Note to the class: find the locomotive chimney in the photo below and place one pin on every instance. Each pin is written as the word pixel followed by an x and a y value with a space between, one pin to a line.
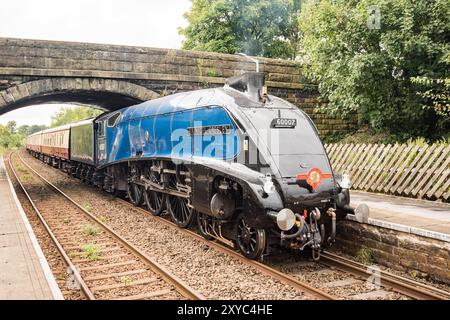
pixel 252 84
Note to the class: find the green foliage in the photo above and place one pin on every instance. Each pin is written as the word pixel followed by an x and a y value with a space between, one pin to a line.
pixel 126 280
pixel 12 136
pixel 435 93
pixel 372 70
pixel 366 134
pixel 26 130
pixel 73 114
pixel 87 206
pixel 90 251
pixel 364 255
pixel 89 230
pixel 260 27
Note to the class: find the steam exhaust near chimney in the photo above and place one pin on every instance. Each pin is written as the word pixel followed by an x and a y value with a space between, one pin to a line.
pixel 252 84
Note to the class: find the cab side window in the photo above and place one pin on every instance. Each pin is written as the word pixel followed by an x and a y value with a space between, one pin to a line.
pixel 112 120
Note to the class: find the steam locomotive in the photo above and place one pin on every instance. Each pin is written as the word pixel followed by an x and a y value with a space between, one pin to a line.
pixel 245 166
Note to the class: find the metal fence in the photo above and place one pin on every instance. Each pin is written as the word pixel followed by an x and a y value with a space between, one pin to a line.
pixel 420 171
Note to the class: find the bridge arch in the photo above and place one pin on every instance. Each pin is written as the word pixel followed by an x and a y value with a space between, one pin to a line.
pixel 107 94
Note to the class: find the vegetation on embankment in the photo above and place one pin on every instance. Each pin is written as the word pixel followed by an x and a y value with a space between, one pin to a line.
pixel 12 137
pixel 366 134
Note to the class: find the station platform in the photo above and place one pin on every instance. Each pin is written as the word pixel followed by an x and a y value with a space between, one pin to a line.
pixel 420 217
pixel 24 271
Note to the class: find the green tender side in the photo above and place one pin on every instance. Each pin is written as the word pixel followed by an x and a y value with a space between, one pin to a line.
pixel 82 143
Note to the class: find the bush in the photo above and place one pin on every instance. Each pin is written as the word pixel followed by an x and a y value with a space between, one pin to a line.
pixel 370 68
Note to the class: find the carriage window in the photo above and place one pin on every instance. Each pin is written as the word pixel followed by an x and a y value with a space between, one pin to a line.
pixel 112 120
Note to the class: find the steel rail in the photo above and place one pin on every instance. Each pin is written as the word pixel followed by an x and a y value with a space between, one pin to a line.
pixel 408 287
pixel 215 244
pixel 182 287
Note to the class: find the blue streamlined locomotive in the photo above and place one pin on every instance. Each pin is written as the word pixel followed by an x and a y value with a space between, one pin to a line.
pixel 246 166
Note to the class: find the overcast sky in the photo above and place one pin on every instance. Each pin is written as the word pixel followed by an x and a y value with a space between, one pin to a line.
pixel 151 23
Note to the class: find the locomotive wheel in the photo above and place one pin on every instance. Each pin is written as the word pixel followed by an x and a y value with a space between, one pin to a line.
pixel 203 223
pixel 179 211
pixel 154 201
pixel 250 241
pixel 134 193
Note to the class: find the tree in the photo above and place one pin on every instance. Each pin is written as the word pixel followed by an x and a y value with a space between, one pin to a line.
pixel 26 130
pixel 365 58
pixel 259 27
pixel 11 126
pixel 10 137
pixel 73 114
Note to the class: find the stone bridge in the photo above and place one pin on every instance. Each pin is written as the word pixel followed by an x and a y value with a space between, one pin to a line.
pixel 34 72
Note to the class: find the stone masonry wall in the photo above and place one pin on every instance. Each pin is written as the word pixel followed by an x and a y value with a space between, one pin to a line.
pixel 162 70
pixel 419 256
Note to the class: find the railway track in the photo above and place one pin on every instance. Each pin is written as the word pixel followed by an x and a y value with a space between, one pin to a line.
pixel 413 289
pixel 310 291
pixel 102 264
pixel 354 271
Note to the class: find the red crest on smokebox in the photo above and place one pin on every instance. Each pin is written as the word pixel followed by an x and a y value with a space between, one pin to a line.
pixel 314 177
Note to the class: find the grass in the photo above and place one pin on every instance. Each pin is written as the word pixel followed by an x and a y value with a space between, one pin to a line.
pixel 66 220
pixel 26 178
pixel 126 280
pixel 21 168
pixel 89 230
pixel 88 207
pixel 72 255
pixel 103 219
pixel 90 251
pixel 364 255
pixel 23 172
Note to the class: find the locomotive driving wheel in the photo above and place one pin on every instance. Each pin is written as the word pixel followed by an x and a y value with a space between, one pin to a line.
pixel 179 210
pixel 134 191
pixel 250 241
pixel 154 200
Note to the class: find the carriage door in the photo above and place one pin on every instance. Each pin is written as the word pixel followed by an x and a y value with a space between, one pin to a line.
pixel 101 142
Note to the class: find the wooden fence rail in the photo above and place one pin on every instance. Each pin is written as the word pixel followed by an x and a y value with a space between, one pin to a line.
pixel 420 171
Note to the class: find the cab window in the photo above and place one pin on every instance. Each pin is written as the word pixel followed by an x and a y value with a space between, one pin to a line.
pixel 112 120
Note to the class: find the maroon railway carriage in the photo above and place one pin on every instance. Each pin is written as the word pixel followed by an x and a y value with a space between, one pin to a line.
pixel 51 144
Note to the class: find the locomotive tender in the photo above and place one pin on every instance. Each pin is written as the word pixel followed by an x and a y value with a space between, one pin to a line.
pixel 248 167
